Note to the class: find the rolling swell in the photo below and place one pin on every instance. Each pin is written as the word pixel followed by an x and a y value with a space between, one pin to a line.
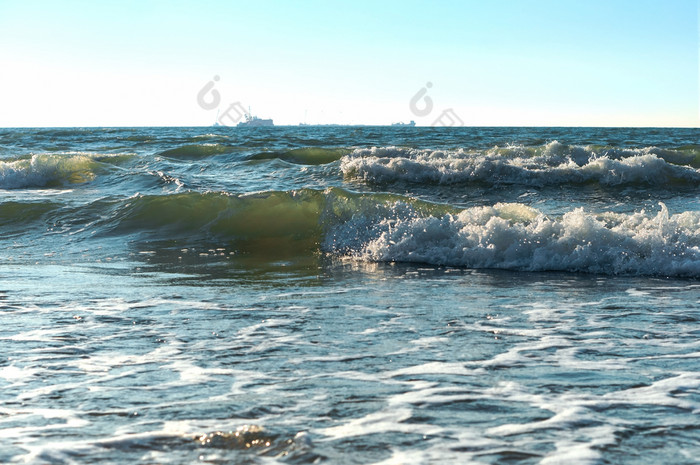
pixel 305 155
pixel 16 217
pixel 197 151
pixel 395 228
pixel 549 164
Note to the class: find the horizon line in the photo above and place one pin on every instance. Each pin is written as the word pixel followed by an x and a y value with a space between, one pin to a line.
pixel 351 125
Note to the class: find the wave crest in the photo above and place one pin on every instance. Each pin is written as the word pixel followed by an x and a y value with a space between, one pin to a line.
pixel 48 170
pixel 550 164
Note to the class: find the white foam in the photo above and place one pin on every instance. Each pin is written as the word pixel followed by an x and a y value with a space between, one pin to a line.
pixel 191 374
pixel 553 163
pixel 392 419
pixel 517 237
pixel 399 457
pixel 16 374
pixel 668 391
pixel 572 453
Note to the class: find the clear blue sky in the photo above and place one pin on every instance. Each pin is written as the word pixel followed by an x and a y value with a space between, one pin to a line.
pixel 501 62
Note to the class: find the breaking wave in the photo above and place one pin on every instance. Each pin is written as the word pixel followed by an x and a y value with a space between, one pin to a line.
pixel 395 228
pixel 54 170
pixel 550 164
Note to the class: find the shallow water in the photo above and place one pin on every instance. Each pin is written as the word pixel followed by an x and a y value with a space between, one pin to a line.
pixel 294 295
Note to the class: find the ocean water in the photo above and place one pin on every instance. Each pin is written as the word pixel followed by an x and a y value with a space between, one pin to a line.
pixel 384 295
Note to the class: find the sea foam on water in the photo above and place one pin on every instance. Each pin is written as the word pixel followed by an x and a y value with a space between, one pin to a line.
pixel 551 164
pixel 517 237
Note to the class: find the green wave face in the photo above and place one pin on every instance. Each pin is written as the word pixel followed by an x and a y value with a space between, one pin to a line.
pixel 17 214
pixel 197 151
pixel 272 222
pixel 269 222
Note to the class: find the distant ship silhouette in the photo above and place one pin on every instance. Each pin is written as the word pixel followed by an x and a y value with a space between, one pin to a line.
pixel 411 124
pixel 254 122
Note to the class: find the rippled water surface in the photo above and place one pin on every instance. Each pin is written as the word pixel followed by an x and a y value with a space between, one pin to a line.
pixel 349 295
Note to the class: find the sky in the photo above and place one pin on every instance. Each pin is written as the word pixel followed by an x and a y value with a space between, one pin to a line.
pixel 472 63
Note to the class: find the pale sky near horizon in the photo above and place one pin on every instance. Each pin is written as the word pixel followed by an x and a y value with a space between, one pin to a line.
pixel 501 62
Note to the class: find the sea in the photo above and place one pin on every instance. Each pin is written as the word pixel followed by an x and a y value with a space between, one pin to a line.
pixel 350 295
